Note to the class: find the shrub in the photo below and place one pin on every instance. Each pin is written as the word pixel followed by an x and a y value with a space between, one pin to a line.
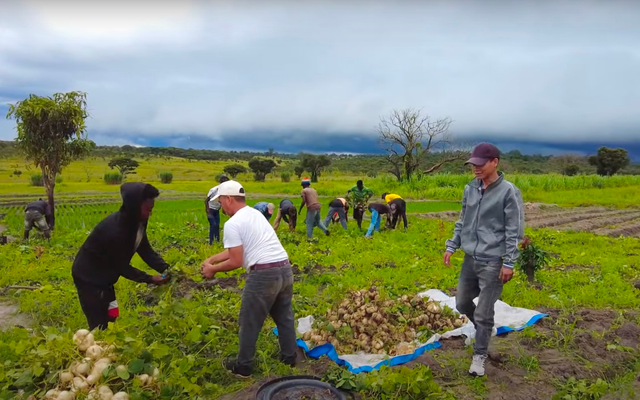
pixel 166 177
pixel 59 179
pixel 36 180
pixel 285 177
pixel 113 178
pixel 571 170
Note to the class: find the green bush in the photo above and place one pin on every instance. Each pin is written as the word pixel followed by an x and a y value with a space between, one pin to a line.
pixel 36 180
pixel 113 178
pixel 285 177
pixel 59 179
pixel 166 177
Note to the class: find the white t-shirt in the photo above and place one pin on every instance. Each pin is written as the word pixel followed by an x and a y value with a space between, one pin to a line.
pixel 213 204
pixel 251 230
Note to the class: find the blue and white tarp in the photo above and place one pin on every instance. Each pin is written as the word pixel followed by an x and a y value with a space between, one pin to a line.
pixel 507 319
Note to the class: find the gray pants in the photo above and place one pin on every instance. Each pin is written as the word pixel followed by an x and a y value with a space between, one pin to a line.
pixel 340 211
pixel 313 220
pixel 479 279
pixel 267 292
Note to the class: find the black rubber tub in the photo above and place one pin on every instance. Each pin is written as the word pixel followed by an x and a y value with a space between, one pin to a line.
pixel 299 387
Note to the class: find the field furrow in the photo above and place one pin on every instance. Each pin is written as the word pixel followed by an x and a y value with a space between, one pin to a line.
pixel 629 229
pixel 553 222
pixel 542 215
pixel 600 223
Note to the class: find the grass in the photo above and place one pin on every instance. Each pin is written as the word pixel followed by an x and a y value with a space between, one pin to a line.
pixel 189 332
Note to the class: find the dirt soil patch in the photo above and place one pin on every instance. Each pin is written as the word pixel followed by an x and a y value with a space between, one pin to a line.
pixel 11 318
pixel 598 220
pixel 525 366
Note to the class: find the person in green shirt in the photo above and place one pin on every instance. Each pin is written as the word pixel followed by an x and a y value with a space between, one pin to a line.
pixel 359 194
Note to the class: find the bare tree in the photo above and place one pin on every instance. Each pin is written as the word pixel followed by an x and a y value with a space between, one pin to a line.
pixel 408 138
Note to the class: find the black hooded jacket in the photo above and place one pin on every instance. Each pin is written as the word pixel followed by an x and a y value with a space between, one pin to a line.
pixel 107 252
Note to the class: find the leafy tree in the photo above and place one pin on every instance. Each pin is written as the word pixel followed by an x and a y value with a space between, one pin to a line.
pixel 298 170
pixel 51 134
pixel 234 170
pixel 125 165
pixel 571 170
pixel 314 164
pixel 609 161
pixel 261 167
pixel 410 138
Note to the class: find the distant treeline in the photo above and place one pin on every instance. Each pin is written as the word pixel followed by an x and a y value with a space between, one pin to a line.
pixel 371 165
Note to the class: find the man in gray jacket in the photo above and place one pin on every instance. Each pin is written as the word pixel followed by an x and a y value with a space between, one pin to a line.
pixel 490 227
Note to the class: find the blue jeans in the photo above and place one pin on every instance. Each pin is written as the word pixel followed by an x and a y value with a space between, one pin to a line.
pixel 481 279
pixel 341 215
pixel 313 220
pixel 214 225
pixel 375 223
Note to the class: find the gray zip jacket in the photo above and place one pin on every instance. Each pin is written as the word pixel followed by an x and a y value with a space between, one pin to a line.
pixel 491 222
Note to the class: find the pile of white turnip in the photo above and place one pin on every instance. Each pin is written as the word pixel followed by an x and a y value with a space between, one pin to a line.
pixel 85 375
pixel 365 322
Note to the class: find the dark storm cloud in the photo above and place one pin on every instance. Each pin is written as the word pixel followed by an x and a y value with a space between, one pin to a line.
pixel 529 72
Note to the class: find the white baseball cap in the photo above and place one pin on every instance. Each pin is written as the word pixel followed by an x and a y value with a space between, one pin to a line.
pixel 229 188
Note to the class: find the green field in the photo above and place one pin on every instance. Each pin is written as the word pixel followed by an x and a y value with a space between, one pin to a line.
pixel 586 349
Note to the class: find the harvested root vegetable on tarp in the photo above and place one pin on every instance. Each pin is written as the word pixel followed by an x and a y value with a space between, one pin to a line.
pixel 364 321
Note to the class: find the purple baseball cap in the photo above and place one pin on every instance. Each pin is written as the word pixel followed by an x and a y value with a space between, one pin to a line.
pixel 483 153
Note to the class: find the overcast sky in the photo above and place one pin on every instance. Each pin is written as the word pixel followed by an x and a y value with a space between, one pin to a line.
pixel 305 75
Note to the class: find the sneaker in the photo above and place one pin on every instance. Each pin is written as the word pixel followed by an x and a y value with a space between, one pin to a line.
pixel 477 365
pixel 230 365
pixel 327 233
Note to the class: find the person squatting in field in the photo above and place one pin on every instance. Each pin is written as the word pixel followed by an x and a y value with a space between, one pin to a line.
pixel 250 241
pixel 37 214
pixel 213 211
pixel 311 200
pixel 106 255
pixel 398 209
pixel 338 209
pixel 490 226
pixel 265 208
pixel 376 210
pixel 288 212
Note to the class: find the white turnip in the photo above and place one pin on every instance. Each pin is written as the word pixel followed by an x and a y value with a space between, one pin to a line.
pixel 120 396
pixel 94 352
pixel 66 395
pixel 66 377
pixel 80 384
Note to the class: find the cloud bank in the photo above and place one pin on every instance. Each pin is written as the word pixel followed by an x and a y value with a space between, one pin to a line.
pixel 319 72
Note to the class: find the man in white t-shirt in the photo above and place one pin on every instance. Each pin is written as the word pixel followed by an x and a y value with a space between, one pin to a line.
pixel 250 242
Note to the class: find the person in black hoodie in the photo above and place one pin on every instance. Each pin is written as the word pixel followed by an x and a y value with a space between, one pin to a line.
pixel 107 253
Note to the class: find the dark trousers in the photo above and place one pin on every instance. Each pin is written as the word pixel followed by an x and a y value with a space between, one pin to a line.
pixel 214 225
pixel 267 292
pixel 95 304
pixel 479 279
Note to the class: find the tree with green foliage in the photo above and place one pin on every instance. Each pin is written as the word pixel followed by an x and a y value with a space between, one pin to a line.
pixel 234 170
pixel 51 134
pixel 314 164
pixel 125 165
pixel 571 170
pixel 410 139
pixel 261 167
pixel 298 170
pixel 609 161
